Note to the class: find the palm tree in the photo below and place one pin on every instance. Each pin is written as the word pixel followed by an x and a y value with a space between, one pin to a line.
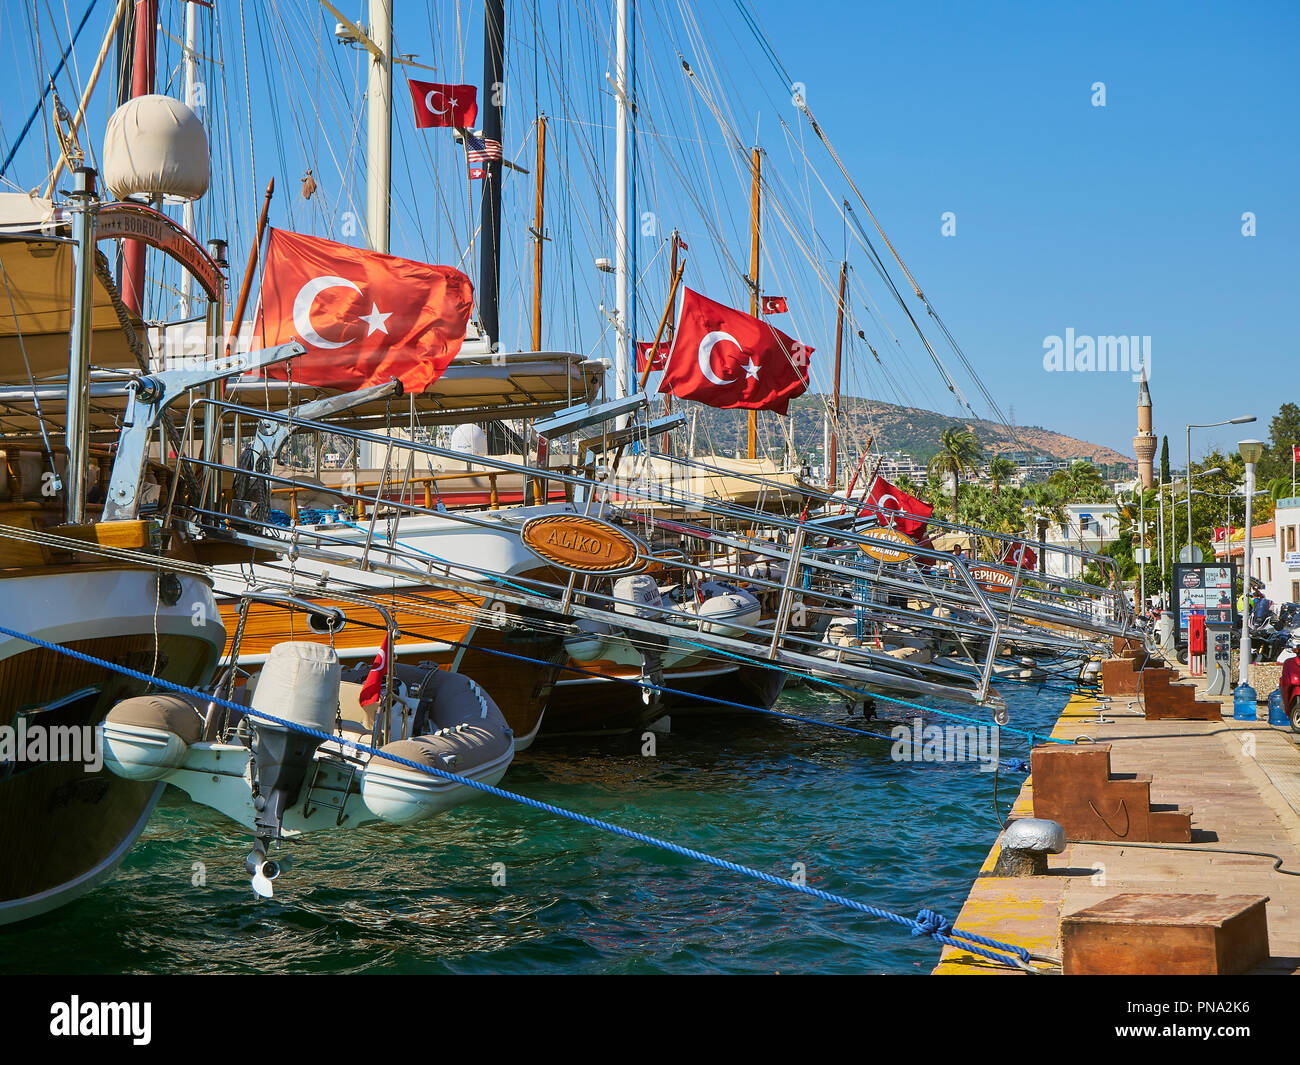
pixel 1000 468
pixel 1081 483
pixel 1279 488
pixel 959 452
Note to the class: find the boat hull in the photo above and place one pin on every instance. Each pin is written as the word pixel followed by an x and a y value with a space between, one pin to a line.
pixel 64 825
pixel 608 704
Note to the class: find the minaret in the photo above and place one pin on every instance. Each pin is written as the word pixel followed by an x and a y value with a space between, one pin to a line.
pixel 1144 444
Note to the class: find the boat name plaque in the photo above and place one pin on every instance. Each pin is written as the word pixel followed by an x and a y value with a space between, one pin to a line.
pixel 583 545
pixel 883 553
pixel 991 580
pixel 135 221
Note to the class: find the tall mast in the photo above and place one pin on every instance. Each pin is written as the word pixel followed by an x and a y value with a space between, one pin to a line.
pixel 494 87
pixel 539 232
pixel 831 478
pixel 621 324
pixel 142 75
pixel 755 228
pixel 191 84
pixel 379 124
pixel 83 294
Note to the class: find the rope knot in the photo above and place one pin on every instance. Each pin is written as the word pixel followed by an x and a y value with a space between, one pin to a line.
pixel 930 923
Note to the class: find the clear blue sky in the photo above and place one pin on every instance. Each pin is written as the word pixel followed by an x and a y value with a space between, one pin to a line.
pixel 1124 219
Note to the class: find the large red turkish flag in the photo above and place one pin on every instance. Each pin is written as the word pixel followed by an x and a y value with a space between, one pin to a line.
pixel 443 105
pixel 725 358
pixel 1020 556
pixel 896 509
pixel 364 317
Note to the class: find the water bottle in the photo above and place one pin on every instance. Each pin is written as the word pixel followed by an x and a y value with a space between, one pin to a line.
pixel 1244 706
pixel 1277 715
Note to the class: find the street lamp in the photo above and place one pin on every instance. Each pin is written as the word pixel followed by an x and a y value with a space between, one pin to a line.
pixel 1206 425
pixel 1174 504
pixel 1251 450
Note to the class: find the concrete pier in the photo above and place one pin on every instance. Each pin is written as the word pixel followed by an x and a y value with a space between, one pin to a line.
pixel 1241 781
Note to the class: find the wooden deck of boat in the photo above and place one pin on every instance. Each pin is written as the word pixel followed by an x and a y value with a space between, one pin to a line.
pixel 1241 780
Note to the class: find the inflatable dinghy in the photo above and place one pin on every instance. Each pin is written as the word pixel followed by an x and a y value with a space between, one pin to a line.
pixel 304 772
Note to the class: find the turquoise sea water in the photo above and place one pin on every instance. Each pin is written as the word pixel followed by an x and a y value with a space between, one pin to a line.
pixel 760 792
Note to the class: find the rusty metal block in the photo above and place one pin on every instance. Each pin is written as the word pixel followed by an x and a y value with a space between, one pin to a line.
pixel 1119 677
pixel 1075 787
pixel 1175 935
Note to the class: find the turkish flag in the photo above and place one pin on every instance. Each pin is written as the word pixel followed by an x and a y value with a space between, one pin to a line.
pixel 895 508
pixel 374 682
pixel 364 317
pixel 725 358
pixel 1020 555
pixel 443 105
pixel 659 361
pixel 775 305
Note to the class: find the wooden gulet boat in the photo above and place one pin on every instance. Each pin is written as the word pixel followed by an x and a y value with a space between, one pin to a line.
pixel 65 822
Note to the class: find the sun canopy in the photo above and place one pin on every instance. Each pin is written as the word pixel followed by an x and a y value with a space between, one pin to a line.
pixel 36 313
pixel 36 270
pixel 475 386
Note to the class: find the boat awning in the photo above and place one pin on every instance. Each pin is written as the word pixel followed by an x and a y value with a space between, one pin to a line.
pixel 36 313
pixel 35 322
pixel 476 386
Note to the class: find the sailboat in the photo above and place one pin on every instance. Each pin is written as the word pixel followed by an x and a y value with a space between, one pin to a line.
pixel 87 564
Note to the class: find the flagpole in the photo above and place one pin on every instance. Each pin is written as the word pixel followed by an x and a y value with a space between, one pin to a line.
pixel 866 452
pixel 663 322
pixel 238 320
pixel 672 314
pixel 755 228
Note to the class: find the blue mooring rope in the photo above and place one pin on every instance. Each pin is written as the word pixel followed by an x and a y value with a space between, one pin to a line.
pixel 927 922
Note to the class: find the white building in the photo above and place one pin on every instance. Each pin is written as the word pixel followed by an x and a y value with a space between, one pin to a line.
pixel 1275 552
pixel 1087 527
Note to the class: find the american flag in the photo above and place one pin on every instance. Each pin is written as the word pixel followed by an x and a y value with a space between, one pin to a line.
pixel 480 149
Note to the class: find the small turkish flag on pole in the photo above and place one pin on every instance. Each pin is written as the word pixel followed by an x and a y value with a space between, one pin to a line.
pixel 363 317
pixel 658 362
pixel 443 105
pixel 728 359
pixel 775 305
pixel 896 509
pixel 374 684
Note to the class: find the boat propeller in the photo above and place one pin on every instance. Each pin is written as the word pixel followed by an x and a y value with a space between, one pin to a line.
pixel 264 870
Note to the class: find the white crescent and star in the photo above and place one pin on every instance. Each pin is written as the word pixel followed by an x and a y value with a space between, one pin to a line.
pixel 710 341
pixel 376 321
pixel 428 101
pixel 894 511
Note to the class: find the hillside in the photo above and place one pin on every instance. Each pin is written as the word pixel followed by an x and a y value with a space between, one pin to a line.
pixel 896 428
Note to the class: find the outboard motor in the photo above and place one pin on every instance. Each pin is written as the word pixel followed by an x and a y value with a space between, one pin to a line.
pixel 640 598
pixel 298 683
